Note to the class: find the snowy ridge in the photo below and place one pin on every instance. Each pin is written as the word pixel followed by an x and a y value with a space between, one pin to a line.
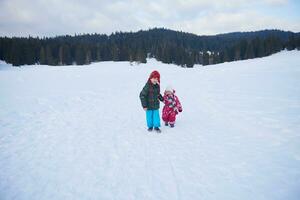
pixel 78 132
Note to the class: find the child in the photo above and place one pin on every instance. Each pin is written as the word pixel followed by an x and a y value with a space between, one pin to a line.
pixel 171 108
pixel 150 97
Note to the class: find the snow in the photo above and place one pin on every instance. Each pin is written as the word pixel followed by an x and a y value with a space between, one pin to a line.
pixel 79 132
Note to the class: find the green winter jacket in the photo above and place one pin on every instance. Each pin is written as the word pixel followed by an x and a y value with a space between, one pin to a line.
pixel 150 96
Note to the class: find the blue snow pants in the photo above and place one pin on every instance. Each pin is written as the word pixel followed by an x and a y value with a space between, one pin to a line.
pixel 153 118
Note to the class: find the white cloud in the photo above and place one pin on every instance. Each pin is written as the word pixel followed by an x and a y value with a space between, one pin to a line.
pixel 57 17
pixel 277 2
pixel 230 22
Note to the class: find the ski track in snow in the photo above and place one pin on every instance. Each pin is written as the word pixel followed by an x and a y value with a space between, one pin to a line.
pixel 78 132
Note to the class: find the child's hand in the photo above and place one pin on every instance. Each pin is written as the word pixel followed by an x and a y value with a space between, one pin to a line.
pixel 176 110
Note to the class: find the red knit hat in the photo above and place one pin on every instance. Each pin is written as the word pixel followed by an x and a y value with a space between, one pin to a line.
pixel 155 74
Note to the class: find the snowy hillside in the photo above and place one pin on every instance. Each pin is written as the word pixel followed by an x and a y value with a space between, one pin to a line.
pixel 79 132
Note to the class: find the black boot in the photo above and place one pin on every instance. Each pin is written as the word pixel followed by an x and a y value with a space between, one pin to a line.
pixel 166 124
pixel 150 129
pixel 157 130
pixel 172 125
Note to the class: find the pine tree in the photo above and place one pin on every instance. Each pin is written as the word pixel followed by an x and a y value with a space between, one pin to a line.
pixel 80 55
pixel 249 51
pixel 88 56
pixel 67 58
pixel 141 56
pixel 61 56
pixel 49 56
pixel 205 58
pixel 259 49
pixel 291 44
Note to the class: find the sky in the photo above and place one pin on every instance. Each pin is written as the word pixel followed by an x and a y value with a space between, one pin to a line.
pixel 202 17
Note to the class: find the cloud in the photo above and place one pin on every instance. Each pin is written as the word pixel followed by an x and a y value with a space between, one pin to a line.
pixel 215 23
pixel 277 2
pixel 60 17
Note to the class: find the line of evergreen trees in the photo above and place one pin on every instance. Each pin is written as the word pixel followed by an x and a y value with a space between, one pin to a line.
pixel 165 45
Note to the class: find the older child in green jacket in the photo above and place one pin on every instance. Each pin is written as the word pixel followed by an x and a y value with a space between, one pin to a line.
pixel 150 97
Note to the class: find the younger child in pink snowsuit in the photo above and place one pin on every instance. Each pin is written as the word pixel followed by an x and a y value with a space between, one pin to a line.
pixel 171 108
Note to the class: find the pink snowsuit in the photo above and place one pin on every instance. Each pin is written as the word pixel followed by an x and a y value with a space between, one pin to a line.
pixel 171 108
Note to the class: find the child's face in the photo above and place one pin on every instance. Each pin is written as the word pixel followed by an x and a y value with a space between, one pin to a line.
pixel 168 92
pixel 154 80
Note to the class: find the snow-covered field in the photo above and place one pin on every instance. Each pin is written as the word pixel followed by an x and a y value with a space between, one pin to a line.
pixel 79 132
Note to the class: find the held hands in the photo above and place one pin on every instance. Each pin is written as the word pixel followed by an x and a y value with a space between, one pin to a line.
pixel 145 109
pixel 177 110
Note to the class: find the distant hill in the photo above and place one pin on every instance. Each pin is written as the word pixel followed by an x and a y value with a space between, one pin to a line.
pixel 165 45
